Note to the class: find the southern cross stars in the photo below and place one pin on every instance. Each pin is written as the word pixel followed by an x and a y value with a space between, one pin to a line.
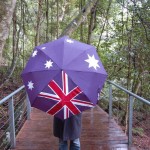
pixel 92 62
pixel 69 41
pixel 34 53
pixel 30 85
pixel 43 48
pixel 48 64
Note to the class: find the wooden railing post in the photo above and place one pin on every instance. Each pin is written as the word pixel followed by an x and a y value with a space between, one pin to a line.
pixel 12 123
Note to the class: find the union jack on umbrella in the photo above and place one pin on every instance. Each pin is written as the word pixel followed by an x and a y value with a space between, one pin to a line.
pixel 64 77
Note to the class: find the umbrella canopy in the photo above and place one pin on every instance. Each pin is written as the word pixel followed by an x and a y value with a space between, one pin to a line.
pixel 64 77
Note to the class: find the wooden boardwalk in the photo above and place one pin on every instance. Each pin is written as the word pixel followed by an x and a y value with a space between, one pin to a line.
pixel 98 132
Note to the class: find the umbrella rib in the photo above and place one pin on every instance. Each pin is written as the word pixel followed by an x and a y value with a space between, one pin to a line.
pixel 85 71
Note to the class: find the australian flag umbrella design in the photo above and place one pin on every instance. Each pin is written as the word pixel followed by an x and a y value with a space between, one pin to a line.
pixel 64 77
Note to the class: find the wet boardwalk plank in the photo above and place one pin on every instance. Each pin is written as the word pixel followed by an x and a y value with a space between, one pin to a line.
pixel 98 132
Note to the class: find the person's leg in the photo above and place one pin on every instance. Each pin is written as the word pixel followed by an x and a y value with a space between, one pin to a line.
pixel 75 144
pixel 63 145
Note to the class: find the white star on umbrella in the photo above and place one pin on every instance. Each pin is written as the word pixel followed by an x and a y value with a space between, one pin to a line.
pixel 48 64
pixel 34 53
pixel 30 85
pixel 43 48
pixel 92 62
pixel 69 41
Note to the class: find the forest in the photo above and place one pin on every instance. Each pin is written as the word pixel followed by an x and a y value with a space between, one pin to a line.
pixel 119 29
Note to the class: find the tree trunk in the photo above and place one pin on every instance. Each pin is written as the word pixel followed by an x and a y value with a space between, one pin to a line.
pixel 81 26
pixel 47 19
pixel 57 19
pixel 75 23
pixel 92 23
pixel 38 26
pixel 6 12
pixel 15 50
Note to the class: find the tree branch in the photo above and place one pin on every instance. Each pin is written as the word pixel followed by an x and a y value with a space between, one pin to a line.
pixel 75 23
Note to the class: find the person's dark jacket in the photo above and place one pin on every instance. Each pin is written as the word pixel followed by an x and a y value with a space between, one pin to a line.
pixel 68 129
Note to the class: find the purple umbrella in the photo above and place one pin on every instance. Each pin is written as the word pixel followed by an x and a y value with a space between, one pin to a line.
pixel 64 77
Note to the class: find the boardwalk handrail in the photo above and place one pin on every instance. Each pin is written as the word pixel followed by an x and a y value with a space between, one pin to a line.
pixel 130 93
pixel 11 114
pixel 10 100
pixel 130 116
pixel 10 95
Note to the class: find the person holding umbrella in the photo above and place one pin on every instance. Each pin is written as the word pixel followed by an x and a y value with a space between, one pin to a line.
pixel 68 130
pixel 63 78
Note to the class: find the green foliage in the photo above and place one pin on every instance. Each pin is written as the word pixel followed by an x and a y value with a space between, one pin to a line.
pixel 138 131
pixel 121 34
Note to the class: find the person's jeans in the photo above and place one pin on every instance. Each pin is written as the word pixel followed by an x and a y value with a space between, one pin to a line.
pixel 74 144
